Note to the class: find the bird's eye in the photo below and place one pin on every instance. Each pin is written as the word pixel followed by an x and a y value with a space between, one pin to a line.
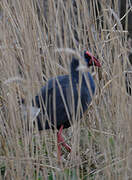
pixel 90 62
pixel 89 57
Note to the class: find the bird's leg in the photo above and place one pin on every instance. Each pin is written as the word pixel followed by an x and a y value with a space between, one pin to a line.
pixel 59 142
pixel 59 151
pixel 68 148
pixel 62 141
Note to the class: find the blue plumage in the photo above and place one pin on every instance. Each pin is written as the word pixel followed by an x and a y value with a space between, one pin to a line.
pixel 55 97
pixel 58 101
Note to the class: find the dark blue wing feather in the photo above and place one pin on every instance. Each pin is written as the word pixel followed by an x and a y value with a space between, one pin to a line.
pixel 55 105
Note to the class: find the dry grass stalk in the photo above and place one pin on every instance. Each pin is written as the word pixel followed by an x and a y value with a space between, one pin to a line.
pixel 33 36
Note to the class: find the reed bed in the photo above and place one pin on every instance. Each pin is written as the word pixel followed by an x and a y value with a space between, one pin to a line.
pixel 37 40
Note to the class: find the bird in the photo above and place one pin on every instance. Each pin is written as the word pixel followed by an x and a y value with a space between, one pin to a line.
pixel 59 98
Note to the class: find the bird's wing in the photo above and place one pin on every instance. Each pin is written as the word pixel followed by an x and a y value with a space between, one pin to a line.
pixel 47 90
pixel 61 79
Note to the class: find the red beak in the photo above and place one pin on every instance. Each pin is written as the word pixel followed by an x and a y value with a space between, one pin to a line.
pixel 93 60
pixel 96 61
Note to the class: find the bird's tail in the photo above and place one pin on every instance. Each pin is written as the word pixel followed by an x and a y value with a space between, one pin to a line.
pixel 32 111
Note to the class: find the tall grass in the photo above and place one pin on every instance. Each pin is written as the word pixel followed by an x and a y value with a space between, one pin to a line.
pixel 31 33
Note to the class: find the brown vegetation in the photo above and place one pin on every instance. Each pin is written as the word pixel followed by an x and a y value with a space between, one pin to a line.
pixel 31 33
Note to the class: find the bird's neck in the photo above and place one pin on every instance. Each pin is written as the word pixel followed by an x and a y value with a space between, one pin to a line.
pixel 91 81
pixel 75 76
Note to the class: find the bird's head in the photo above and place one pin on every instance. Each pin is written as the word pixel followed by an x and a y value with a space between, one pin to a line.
pixel 91 60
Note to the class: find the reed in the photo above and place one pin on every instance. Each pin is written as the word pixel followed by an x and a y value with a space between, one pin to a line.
pixel 37 39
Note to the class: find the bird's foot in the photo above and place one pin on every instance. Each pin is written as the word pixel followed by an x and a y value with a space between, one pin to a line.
pixel 61 141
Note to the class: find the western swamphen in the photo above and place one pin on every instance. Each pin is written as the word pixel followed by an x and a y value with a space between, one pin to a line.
pixel 59 98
